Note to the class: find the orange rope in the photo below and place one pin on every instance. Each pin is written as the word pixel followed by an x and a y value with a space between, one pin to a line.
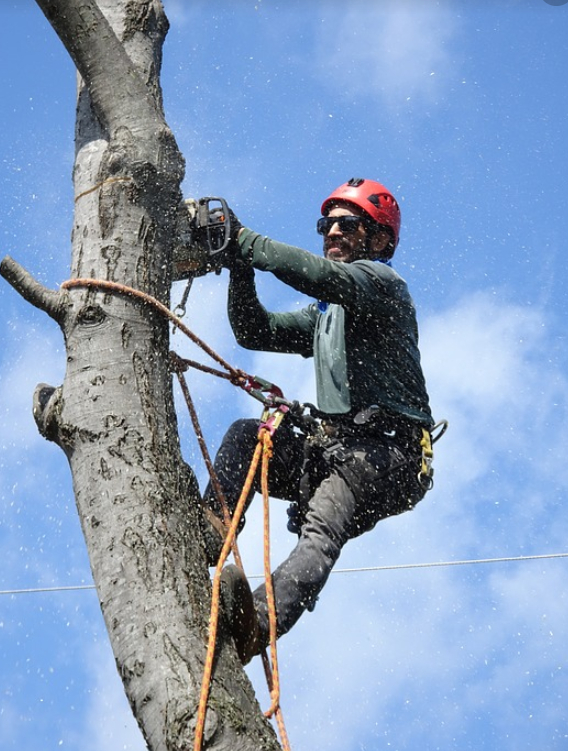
pixel 101 184
pixel 272 675
pixel 264 448
pixel 270 600
pixel 278 713
pixel 216 596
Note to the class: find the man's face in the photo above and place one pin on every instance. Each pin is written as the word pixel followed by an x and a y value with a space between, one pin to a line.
pixel 350 245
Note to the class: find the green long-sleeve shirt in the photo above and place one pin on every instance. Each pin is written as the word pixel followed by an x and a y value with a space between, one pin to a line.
pixel 364 343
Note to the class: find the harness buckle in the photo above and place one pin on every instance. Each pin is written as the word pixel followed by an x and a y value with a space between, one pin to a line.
pixel 336 452
pixel 271 421
pixel 429 438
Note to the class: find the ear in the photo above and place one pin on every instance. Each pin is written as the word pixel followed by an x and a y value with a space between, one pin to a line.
pixel 381 246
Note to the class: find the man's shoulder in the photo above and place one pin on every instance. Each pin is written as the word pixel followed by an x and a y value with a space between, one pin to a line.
pixel 377 270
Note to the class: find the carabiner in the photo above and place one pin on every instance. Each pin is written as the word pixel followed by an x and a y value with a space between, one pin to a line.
pixel 179 310
pixel 264 391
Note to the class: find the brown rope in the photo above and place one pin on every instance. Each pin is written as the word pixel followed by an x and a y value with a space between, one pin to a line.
pixel 184 365
pixel 205 453
pixel 238 376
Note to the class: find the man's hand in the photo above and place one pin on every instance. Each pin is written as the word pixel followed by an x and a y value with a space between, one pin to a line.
pixel 229 257
pixel 235 225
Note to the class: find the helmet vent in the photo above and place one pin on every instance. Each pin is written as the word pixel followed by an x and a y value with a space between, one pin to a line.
pixel 355 182
pixel 375 199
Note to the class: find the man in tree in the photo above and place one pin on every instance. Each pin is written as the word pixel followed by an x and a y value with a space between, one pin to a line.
pixel 364 461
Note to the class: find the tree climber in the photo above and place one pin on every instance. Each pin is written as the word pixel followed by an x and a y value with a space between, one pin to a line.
pixel 364 463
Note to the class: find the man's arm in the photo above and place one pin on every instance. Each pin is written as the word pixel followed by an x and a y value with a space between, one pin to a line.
pixel 310 274
pixel 258 329
pixel 358 286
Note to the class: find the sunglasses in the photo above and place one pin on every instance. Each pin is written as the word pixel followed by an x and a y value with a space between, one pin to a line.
pixel 347 224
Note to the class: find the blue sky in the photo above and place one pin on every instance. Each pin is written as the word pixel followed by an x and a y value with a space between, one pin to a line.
pixel 462 110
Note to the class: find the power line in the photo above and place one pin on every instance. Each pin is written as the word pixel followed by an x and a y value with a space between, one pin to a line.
pixel 36 590
pixel 360 570
pixel 440 564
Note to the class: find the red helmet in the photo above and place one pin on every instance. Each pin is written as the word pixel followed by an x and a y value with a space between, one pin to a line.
pixel 375 200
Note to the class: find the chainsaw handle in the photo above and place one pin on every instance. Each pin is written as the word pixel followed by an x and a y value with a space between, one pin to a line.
pixel 217 242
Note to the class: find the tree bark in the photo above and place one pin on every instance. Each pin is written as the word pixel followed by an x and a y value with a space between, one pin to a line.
pixel 114 415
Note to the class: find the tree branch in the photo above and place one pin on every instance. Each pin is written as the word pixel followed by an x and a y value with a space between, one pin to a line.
pixel 100 57
pixel 35 293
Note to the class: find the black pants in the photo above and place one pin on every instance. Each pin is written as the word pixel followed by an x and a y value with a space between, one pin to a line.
pixel 342 485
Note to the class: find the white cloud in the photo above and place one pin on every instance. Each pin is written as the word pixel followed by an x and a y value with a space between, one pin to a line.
pixel 488 374
pixel 387 654
pixel 395 50
pixel 480 353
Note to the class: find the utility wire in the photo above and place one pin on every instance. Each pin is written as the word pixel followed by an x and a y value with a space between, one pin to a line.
pixel 439 564
pixel 36 590
pixel 362 569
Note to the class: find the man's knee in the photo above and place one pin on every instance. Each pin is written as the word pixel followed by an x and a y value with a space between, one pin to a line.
pixel 329 515
pixel 243 431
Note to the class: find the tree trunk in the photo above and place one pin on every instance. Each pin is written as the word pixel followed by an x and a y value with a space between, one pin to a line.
pixel 114 415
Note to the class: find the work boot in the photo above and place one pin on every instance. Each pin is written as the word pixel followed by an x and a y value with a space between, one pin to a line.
pixel 214 534
pixel 238 604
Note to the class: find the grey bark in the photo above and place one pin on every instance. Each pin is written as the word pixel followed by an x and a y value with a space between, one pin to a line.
pixel 113 416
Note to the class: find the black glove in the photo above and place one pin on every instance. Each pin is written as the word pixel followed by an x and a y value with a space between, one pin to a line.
pixel 235 225
pixel 219 224
pixel 231 256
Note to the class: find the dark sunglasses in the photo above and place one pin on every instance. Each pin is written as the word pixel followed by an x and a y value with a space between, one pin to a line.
pixel 347 224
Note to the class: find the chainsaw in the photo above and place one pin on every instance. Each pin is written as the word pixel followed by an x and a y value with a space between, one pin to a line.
pixel 203 235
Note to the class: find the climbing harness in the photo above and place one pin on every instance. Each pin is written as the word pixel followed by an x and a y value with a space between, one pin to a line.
pixel 275 409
